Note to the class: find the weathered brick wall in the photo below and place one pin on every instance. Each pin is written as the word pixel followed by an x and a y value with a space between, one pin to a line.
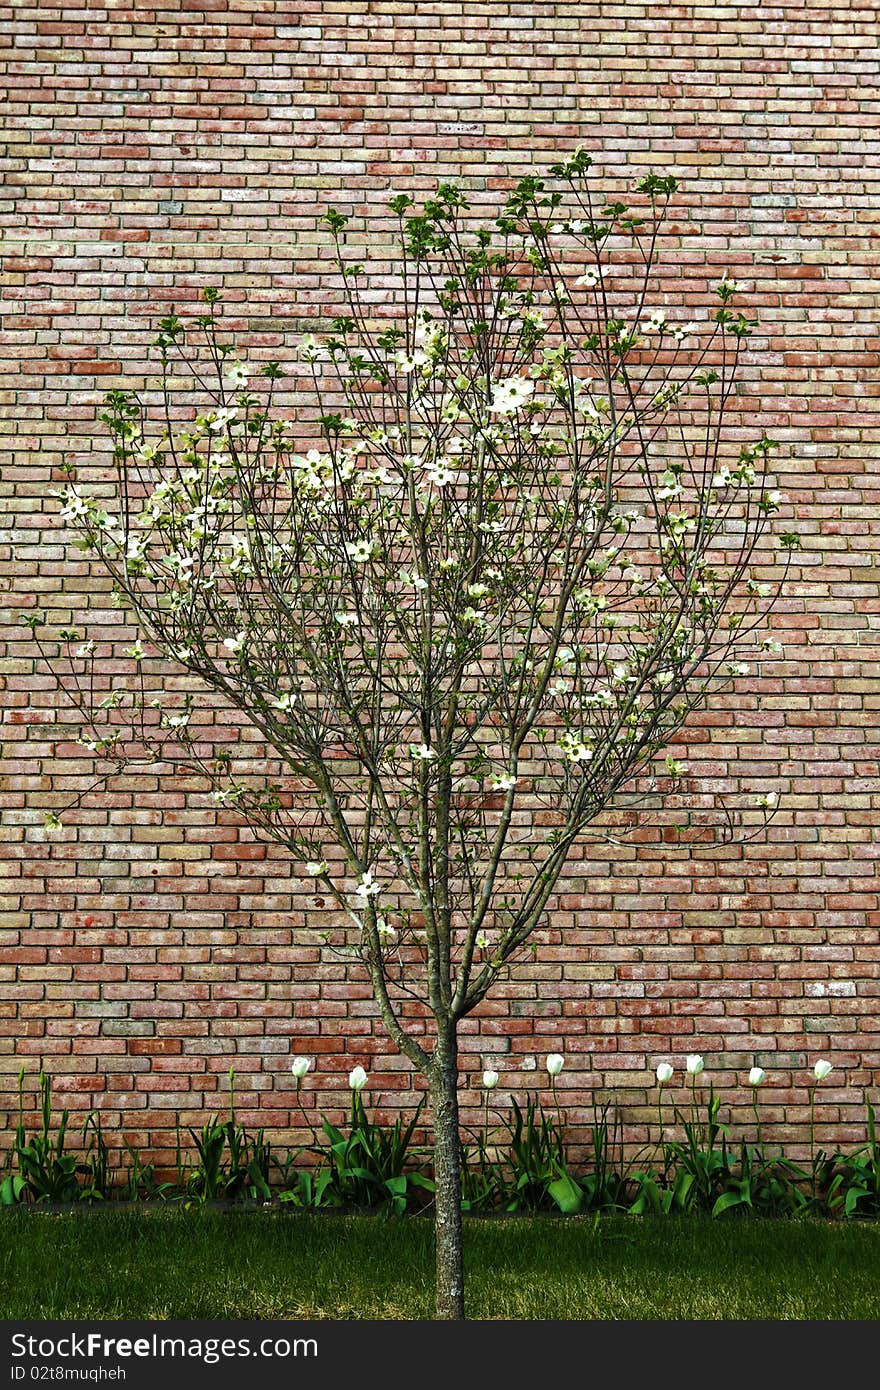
pixel 153 944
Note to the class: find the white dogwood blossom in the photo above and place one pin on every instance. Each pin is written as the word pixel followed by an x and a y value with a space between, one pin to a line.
pixel 510 395
pixel 367 886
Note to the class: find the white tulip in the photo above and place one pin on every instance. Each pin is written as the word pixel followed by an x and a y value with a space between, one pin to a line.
pixel 299 1066
pixel 664 1073
pixel 821 1069
pixel 694 1064
pixel 357 1079
pixel 490 1080
pixel 757 1076
pixel 555 1063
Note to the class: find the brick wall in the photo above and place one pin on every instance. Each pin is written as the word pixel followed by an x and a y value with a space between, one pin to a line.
pixel 154 944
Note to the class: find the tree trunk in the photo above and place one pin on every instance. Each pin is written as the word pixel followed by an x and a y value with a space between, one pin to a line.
pixel 447 1176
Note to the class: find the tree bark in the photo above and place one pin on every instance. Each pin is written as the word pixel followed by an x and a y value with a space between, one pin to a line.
pixel 447 1176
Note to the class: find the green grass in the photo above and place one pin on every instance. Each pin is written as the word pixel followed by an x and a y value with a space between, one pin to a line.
pixel 209 1264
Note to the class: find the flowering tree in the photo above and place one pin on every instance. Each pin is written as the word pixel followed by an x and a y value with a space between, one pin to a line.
pixel 515 557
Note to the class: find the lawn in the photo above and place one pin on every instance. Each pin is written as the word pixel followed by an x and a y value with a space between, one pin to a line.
pixel 259 1264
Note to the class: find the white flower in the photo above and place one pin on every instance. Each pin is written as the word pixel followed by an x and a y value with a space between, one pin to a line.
pixel 367 887
pixel 573 749
pixel 299 1066
pixel 694 1064
pixel 310 350
pixel 386 933
pixel 221 419
pixel 684 330
pixel 483 943
pixel 502 781
pixel 75 507
pixel 657 322
pixel 590 278
pixel 236 376
pixel 422 751
pixel 377 475
pixel 821 1069
pixel 439 474
pixel 757 1076
pixel 473 615
pixel 235 644
pixel 86 649
pixel 555 1063
pixel 345 619
pixel 357 1079
pixel 359 551
pixel 738 668
pixel 508 396
pixel 135 651
pixel 664 1073
pixel 414 580
pixel 316 867
pixel 670 486
pixel 627 337
pixel 490 1080
pixel 767 802
pixel 407 362
pixel 427 330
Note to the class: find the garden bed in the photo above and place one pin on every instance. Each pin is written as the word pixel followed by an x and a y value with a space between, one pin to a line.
pixel 519 1166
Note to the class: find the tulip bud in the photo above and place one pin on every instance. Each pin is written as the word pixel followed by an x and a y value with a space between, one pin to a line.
pixel 299 1066
pixel 357 1079
pixel 694 1064
pixel 490 1080
pixel 664 1073
pixel 821 1069
pixel 756 1076
pixel 555 1063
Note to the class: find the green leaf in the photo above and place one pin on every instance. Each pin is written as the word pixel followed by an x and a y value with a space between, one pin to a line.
pixel 567 1195
pixel 258 1182
pixel 853 1197
pixel 322 1182
pixel 12 1190
pixel 728 1200
pixel 419 1180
